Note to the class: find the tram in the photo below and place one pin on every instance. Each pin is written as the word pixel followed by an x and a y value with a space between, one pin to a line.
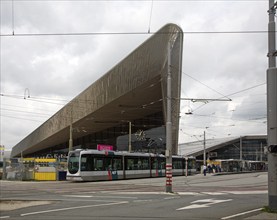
pixel 257 165
pixel 94 165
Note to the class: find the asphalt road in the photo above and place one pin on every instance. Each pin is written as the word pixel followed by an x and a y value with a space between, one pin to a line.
pixel 195 197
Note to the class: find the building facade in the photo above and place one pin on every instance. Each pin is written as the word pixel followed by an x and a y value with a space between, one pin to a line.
pixel 238 148
pixel 124 109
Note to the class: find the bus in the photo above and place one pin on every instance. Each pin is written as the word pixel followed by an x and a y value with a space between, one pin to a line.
pixel 94 165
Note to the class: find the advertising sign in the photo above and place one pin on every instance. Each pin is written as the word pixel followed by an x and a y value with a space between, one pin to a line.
pixel 104 147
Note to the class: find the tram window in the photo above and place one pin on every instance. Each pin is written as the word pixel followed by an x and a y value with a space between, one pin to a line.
pixel 137 163
pixel 98 163
pixel 73 163
pixel 130 164
pixel 87 162
pixel 117 164
pixel 145 164
pixel 190 164
pixel 154 163
pixel 162 163
pixel 177 164
pixel 108 163
pixel 158 163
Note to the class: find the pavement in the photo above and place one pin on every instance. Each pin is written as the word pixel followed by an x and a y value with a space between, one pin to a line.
pixel 260 216
pixel 263 216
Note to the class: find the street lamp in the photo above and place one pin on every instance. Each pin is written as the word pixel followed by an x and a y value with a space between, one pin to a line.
pixel 70 144
pixel 70 138
pixel 130 137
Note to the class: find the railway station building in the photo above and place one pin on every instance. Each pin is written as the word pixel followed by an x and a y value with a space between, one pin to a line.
pixel 238 148
pixel 123 110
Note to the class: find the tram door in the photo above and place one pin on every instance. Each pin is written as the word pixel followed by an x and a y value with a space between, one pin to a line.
pixel 157 166
pixel 114 166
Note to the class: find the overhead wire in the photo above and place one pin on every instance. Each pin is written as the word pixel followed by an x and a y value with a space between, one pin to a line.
pixel 243 90
pixel 252 87
pixel 225 118
pixel 223 96
pixel 130 33
pixel 28 112
pixel 137 0
pixel 26 119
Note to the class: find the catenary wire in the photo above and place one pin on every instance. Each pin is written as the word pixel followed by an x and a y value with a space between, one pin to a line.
pixel 137 0
pixel 131 33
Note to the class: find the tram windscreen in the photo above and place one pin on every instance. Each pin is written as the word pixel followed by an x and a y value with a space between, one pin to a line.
pixel 73 162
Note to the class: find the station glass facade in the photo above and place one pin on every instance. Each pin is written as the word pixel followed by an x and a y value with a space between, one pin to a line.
pixel 147 135
pixel 252 149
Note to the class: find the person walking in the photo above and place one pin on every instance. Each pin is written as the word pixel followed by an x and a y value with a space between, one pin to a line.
pixel 204 170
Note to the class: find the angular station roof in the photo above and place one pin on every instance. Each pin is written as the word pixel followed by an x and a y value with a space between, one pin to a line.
pixel 196 148
pixel 134 88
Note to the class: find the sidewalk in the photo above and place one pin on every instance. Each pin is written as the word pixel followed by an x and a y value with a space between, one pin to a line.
pixel 263 216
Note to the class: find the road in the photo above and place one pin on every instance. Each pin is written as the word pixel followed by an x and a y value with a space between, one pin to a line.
pixel 194 197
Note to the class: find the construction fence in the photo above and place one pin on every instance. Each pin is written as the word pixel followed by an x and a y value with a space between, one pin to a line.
pixel 27 169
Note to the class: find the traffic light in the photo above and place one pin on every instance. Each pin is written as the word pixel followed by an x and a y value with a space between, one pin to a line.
pixel 272 149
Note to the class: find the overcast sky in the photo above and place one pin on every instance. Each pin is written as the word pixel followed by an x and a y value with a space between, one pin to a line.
pixel 55 68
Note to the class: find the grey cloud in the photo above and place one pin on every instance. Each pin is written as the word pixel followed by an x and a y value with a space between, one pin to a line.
pixel 63 66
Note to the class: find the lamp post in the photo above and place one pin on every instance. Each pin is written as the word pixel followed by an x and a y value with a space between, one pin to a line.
pixel 70 143
pixel 240 148
pixel 70 147
pixel 130 137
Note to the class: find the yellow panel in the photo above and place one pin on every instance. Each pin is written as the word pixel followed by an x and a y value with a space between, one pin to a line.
pixel 215 162
pixel 45 176
pixel 45 160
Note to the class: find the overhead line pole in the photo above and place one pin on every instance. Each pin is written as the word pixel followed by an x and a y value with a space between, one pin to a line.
pixel 204 153
pixel 272 109
pixel 169 126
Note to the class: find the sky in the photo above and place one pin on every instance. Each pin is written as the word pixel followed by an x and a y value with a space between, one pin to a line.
pixel 45 62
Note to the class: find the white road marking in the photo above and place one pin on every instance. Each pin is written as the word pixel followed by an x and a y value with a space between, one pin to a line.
pixel 214 193
pixel 242 213
pixel 247 192
pixel 135 193
pixel 148 200
pixel 194 206
pixel 4 216
pixel 188 193
pixel 207 203
pixel 111 197
pixel 170 198
pixel 76 207
pixel 192 193
pixel 77 196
